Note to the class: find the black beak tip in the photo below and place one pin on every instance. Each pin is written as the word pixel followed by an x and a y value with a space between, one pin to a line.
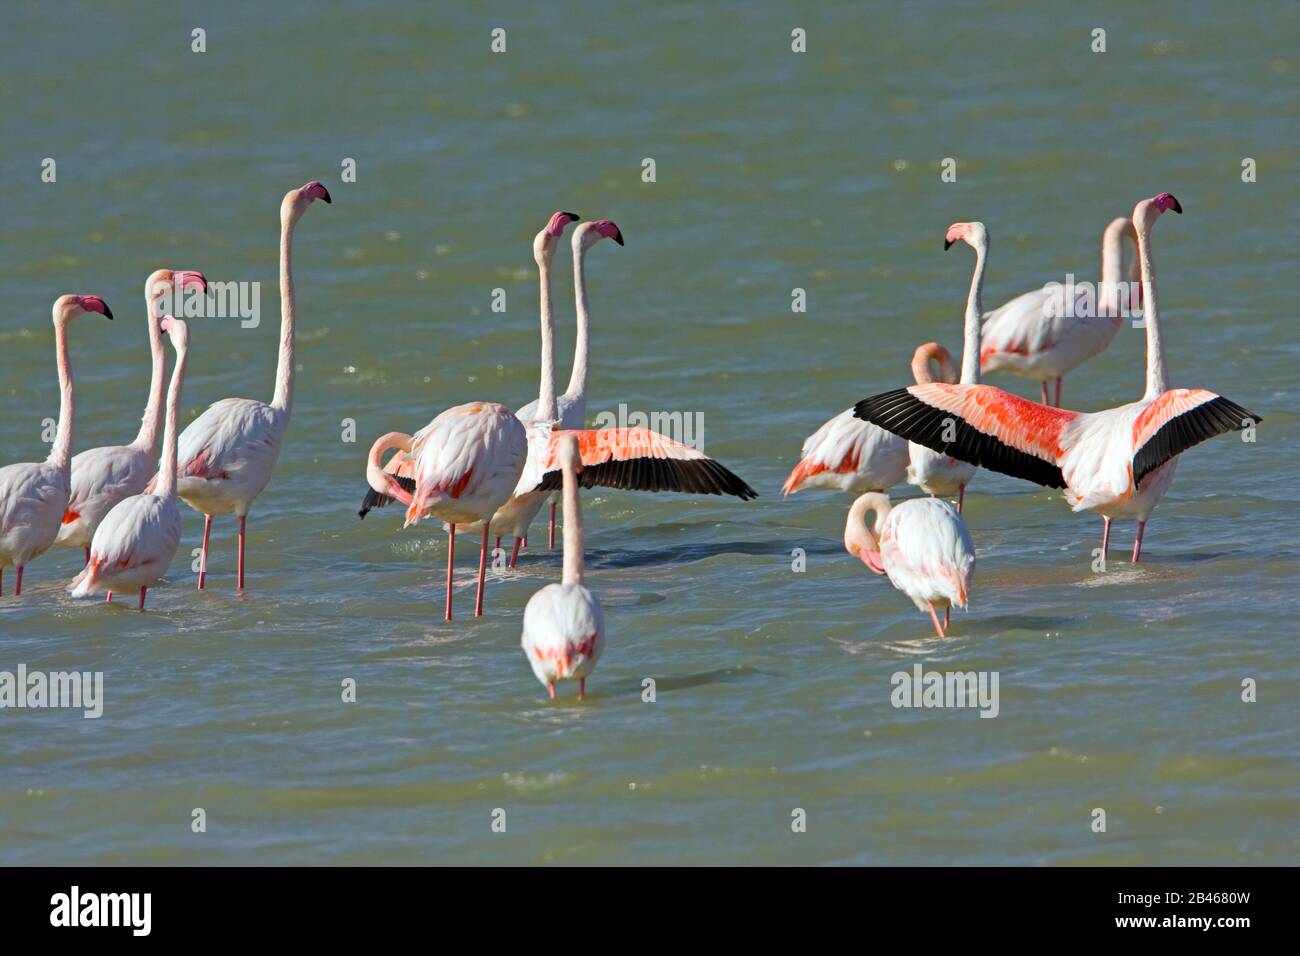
pixel 108 313
pixel 573 216
pixel 618 237
pixel 1178 207
pixel 947 244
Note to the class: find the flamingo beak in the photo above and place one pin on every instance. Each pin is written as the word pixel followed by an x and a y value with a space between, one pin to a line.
pixel 947 244
pixel 193 280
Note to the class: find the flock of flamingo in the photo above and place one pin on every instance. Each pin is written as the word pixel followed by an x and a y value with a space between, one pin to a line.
pixel 482 468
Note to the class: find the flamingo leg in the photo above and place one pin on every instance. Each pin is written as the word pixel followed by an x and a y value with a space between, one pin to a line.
pixel 550 539
pixel 946 612
pixel 142 590
pixel 1105 537
pixel 1044 387
pixel 482 573
pixel 2 582
pixel 961 497
pixel 1057 403
pixel 550 688
pixel 514 555
pixel 203 554
pixel 451 553
pixel 935 618
pixel 241 552
pixel 525 542
pixel 87 554
pixel 18 585
pixel 498 547
pixel 108 597
pixel 582 687
pixel 1137 543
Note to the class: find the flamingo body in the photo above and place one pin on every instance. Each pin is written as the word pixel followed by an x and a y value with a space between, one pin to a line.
pixel 847 454
pixel 132 547
pixel 1031 336
pixel 101 477
pixel 227 455
pixel 33 499
pixel 564 633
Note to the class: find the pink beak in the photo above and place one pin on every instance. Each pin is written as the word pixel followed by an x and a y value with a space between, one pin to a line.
pixel 191 280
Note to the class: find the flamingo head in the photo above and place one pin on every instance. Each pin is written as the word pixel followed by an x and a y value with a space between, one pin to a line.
pixel 972 233
pixel 545 242
pixel 1148 211
pixel 70 306
pixel 590 233
pixel 177 330
pixel 296 201
pixel 165 286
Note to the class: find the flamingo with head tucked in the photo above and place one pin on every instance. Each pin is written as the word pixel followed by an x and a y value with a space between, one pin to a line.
pixel 101 477
pixel 1036 337
pixel 227 454
pixel 135 542
pixel 564 626
pixel 1118 462
pixel 922 544
pixel 34 497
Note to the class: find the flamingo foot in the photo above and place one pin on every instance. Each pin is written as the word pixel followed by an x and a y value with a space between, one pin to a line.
pixel 550 537
pixel 1137 542
pixel 203 554
pixel 514 555
pixel 935 618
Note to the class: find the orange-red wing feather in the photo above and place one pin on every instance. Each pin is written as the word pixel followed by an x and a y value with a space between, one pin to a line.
pixel 1179 419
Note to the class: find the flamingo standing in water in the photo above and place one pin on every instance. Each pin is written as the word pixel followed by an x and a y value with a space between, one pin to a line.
pixel 1033 337
pixel 136 541
pixel 572 405
pixel 564 626
pixel 101 477
pixel 847 454
pixel 227 454
pixel 922 544
pixel 34 497
pixel 1118 462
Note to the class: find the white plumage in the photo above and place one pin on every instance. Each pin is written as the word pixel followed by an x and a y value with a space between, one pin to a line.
pixel 848 454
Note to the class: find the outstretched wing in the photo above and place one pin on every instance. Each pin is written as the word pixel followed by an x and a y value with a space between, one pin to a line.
pixel 639 459
pixel 1179 419
pixel 979 424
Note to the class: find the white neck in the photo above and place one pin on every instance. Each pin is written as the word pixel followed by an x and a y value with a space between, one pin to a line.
pixel 1157 371
pixel 1112 257
pixel 970 353
pixel 578 379
pixel 546 408
pixel 61 452
pixel 147 439
pixel 572 530
pixel 166 487
pixel 283 398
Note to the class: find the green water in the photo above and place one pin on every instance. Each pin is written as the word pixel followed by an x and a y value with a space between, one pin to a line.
pixel 774 171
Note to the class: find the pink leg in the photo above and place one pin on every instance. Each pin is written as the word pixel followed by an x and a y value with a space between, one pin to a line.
pixel 550 688
pixel 108 597
pixel 935 618
pixel 582 687
pixel 87 554
pixel 482 573
pixel 514 554
pixel 18 585
pixel 1105 537
pixel 961 497
pixel 550 539
pixel 1137 543
pixel 498 547
pixel 524 544
pixel 2 582
pixel 451 554
pixel 1058 393
pixel 203 555
pixel 142 590
pixel 1044 387
pixel 241 552
pixel 946 612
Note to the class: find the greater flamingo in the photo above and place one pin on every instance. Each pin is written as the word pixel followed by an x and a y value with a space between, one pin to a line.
pixel 33 497
pixel 1033 337
pixel 572 405
pixel 463 467
pixel 136 541
pixel 101 477
pixel 922 544
pixel 564 627
pixel 1118 462
pixel 847 454
pixel 942 475
pixel 227 454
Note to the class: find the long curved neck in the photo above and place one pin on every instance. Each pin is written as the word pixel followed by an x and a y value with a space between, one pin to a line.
pixel 1157 371
pixel 578 379
pixel 166 487
pixel 1112 257
pixel 858 535
pixel 283 398
pixel 148 435
pixel 61 452
pixel 970 353
pixel 546 407
pixel 572 530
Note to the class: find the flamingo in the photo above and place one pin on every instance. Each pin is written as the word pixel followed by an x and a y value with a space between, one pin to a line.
pixel 943 475
pixel 227 454
pixel 135 542
pixel 922 544
pixel 847 454
pixel 564 626
pixel 34 497
pixel 1030 336
pixel 101 477
pixel 572 405
pixel 1118 462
